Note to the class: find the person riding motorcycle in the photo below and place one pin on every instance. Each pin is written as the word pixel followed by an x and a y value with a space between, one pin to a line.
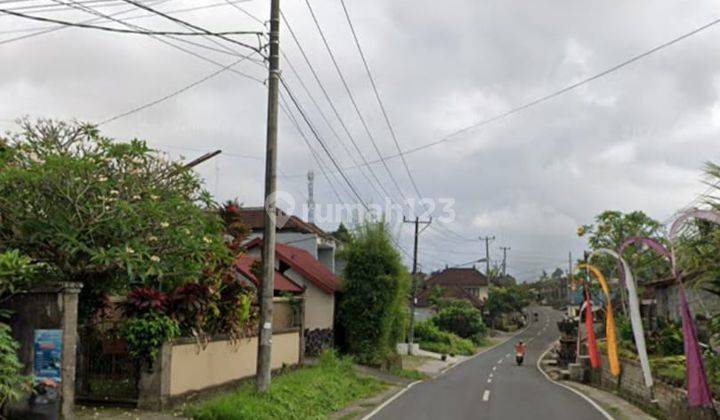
pixel 520 352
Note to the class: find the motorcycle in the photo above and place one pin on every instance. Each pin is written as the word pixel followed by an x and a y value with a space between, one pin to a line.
pixel 519 358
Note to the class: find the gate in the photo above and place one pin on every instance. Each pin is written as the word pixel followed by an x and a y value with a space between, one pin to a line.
pixel 105 373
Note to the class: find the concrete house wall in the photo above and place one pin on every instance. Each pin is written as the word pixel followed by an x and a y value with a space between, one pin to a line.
pixel 319 305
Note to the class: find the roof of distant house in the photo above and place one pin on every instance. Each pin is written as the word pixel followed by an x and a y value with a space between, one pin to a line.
pixel 304 264
pixel 254 219
pixel 244 263
pixel 449 292
pixel 458 277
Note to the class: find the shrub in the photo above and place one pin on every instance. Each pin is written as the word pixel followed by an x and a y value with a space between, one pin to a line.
pixel 668 341
pixel 372 310
pixel 461 320
pixel 145 335
pixel 432 338
pixel 12 383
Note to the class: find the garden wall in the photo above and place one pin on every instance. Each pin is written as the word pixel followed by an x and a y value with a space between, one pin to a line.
pixel 185 368
pixel 671 402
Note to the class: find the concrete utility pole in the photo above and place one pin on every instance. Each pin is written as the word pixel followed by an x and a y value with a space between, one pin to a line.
pixel 487 240
pixel 413 287
pixel 268 252
pixel 311 196
pixel 569 277
pixel 504 249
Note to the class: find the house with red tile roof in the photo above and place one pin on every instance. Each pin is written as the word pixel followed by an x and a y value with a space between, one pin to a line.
pixel 457 283
pixel 294 231
pixel 283 284
pixel 319 285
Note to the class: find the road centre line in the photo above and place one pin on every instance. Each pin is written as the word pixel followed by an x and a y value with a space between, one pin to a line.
pixel 486 395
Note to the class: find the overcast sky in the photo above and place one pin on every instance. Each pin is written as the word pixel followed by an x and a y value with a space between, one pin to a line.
pixel 635 139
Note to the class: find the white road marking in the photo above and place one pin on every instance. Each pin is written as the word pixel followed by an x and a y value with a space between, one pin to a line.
pixel 494 367
pixel 490 376
pixel 500 361
pixel 507 355
pixel 585 397
pixel 489 380
pixel 486 395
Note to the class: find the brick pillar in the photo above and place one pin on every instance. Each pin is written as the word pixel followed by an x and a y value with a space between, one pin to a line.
pixel 69 301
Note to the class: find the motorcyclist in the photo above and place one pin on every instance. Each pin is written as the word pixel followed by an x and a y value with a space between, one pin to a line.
pixel 519 352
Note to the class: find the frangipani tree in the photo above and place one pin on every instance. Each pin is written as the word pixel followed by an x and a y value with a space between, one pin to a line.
pixel 699 394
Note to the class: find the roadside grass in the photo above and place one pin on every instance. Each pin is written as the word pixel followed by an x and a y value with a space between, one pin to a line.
pixel 408 374
pixel 308 393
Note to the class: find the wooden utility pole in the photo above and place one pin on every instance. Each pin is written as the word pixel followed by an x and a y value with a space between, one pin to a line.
pixel 268 252
pixel 487 240
pixel 413 286
pixel 505 249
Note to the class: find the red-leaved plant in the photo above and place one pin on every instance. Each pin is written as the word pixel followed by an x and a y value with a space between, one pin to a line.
pixel 145 300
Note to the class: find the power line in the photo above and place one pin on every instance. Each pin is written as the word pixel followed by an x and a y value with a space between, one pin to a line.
pixel 160 39
pixel 379 100
pixel 352 99
pixel 190 25
pixel 286 109
pixel 332 105
pixel 322 143
pixel 174 93
pixel 119 30
pixel 46 29
pixel 326 120
pixel 554 94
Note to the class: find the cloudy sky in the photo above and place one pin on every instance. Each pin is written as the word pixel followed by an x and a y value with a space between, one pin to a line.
pixel 635 139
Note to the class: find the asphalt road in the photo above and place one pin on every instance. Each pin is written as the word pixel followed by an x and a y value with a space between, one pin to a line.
pixel 492 386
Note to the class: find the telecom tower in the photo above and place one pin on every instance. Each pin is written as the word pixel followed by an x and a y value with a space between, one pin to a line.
pixel 311 199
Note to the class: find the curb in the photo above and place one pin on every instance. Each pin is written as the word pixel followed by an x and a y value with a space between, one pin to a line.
pixel 573 390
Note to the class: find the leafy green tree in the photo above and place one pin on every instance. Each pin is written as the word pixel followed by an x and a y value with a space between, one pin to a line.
pixel 373 309
pixel 698 250
pixel 612 228
pixel 505 300
pixel 463 320
pixel 342 233
pixel 106 213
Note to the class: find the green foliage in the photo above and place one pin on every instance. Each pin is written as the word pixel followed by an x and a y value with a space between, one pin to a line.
pixel 12 383
pixel 106 213
pixel 343 234
pixel 436 295
pixel 16 272
pixel 668 341
pixel 464 321
pixel 432 338
pixel 505 300
pixel 373 311
pixel 146 334
pixel 308 393
pixel 612 228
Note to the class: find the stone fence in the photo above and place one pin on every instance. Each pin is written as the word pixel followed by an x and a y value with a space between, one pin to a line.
pixel 665 401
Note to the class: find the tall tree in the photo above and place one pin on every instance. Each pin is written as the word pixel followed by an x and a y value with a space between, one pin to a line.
pixel 612 228
pixel 373 308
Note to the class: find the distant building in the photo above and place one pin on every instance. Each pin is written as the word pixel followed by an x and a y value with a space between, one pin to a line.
pixel 456 283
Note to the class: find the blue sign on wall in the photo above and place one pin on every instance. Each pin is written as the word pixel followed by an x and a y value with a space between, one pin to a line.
pixel 47 365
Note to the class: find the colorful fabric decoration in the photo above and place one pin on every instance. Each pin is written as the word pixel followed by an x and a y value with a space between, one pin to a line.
pixel 590 327
pixel 610 330
pixel 699 394
pixel 635 317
